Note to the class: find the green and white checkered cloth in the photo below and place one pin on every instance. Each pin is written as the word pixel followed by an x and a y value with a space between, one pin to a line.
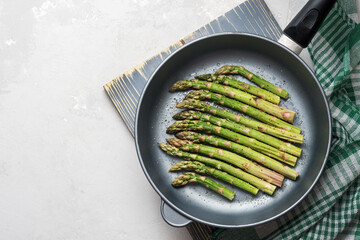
pixel 331 210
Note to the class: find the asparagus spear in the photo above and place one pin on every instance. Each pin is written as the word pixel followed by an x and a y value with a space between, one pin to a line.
pixel 201 168
pixel 240 149
pixel 240 70
pixel 237 172
pixel 191 177
pixel 192 125
pixel 202 106
pixel 275 110
pixel 232 158
pixel 241 107
pixel 229 81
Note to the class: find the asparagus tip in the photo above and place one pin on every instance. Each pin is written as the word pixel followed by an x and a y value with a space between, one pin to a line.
pixel 186 165
pixel 188 135
pixel 167 147
pixel 185 103
pixel 192 104
pixel 204 76
pixel 177 142
pixel 196 94
pixel 223 70
pixel 184 115
pixel 181 180
pixel 172 128
pixel 180 86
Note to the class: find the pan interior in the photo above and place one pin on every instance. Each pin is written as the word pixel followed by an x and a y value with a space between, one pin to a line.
pixel 266 59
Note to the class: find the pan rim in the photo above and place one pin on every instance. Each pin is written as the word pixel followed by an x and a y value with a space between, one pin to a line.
pixel 180 211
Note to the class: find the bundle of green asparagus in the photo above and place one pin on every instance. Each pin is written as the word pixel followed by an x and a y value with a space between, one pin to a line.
pixel 242 140
pixel 193 125
pixel 273 109
pixel 242 108
pixel 254 181
pixel 242 150
pixel 229 81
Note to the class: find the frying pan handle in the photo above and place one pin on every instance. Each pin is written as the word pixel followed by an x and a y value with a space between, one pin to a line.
pixel 172 217
pixel 305 24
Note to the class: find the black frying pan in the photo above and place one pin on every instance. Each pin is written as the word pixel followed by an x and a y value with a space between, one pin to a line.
pixel 276 63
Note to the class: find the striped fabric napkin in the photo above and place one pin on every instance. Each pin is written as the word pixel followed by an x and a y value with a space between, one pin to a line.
pixel 331 210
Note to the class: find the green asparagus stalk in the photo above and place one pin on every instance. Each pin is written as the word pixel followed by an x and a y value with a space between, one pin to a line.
pixel 242 150
pixel 270 140
pixel 240 70
pixel 241 107
pixel 201 168
pixel 229 81
pixel 237 172
pixel 273 109
pixel 229 157
pixel 191 177
pixel 280 133
pixel 192 125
